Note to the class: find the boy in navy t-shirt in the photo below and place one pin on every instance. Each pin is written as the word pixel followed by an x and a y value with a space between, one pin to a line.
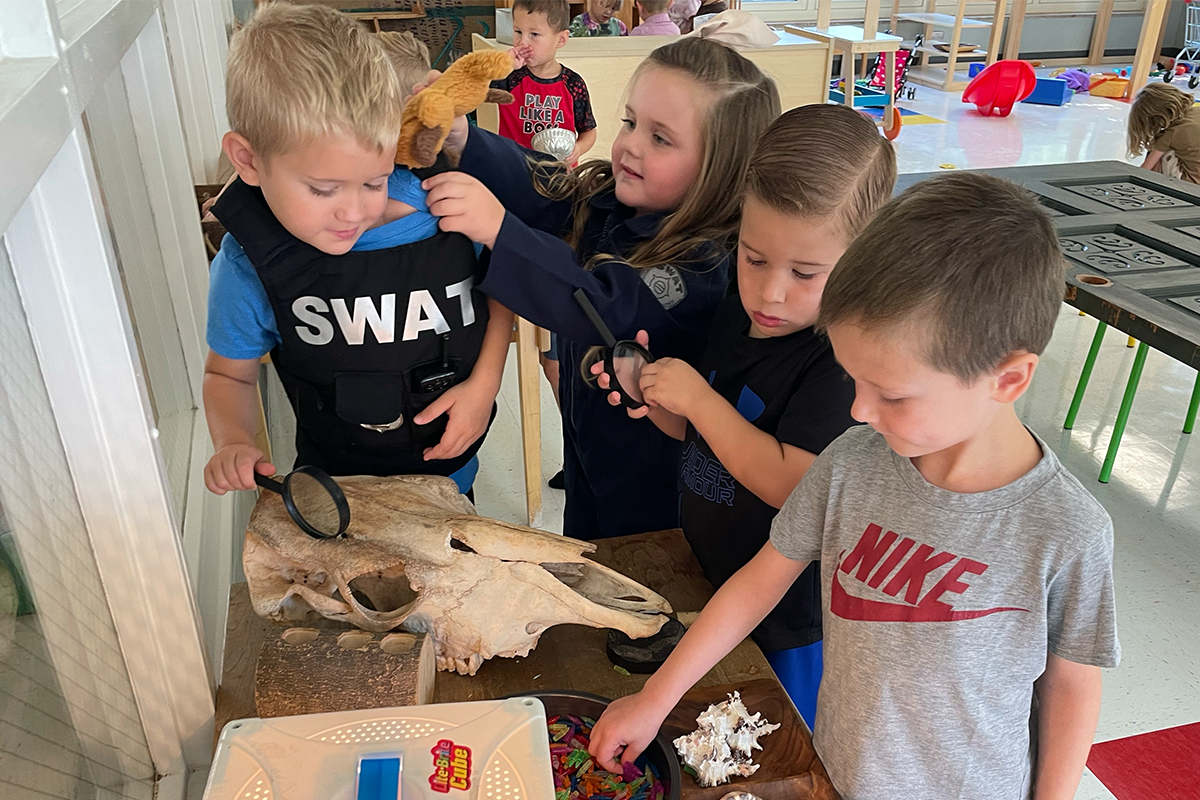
pixel 768 395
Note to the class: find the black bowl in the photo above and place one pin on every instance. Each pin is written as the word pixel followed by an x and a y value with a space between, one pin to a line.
pixel 660 752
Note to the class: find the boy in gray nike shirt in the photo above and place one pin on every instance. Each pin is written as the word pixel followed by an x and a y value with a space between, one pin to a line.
pixel 966 575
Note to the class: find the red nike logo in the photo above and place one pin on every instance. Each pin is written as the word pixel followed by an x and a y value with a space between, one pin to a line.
pixel 909 576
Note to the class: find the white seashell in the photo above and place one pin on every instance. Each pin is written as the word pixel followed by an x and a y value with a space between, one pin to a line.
pixel 724 728
pixel 557 142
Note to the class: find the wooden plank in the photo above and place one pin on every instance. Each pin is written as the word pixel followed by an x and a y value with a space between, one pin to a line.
pixel 529 376
pixel 993 47
pixel 1143 59
pixel 1016 26
pixel 1100 32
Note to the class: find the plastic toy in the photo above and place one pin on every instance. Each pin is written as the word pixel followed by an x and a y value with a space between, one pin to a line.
pixel 995 90
pixel 465 86
pixel 1050 92
pixel 1108 85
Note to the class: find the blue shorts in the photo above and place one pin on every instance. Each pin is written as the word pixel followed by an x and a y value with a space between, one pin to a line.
pixel 552 353
pixel 465 477
pixel 799 670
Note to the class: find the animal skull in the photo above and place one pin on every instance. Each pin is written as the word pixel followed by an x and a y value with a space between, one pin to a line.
pixel 416 556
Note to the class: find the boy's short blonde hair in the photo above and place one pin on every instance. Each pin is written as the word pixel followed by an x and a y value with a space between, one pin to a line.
pixel 652 7
pixel 298 72
pixel 410 59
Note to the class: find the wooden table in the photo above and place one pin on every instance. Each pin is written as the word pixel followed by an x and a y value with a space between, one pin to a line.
pixel 572 657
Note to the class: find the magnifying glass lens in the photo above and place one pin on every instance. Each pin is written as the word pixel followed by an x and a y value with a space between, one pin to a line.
pixel 627 368
pixel 314 503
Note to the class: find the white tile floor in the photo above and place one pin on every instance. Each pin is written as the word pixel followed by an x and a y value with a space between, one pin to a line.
pixel 1154 495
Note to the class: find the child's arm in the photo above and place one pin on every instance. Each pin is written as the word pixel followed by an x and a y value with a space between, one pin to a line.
pixel 536 274
pixel 1068 710
pixel 630 723
pixel 1152 160
pixel 759 461
pixel 469 404
pixel 231 408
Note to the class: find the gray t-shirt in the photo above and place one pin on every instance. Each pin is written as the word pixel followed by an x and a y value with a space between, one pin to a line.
pixel 939 609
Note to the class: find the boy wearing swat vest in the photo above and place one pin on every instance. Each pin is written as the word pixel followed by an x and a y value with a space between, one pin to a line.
pixel 390 357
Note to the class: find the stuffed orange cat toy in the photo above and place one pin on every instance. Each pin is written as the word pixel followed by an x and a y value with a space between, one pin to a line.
pixel 425 122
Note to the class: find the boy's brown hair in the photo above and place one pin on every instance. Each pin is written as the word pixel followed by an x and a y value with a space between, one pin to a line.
pixel 409 57
pixel 823 161
pixel 966 262
pixel 652 7
pixel 558 12
pixel 298 72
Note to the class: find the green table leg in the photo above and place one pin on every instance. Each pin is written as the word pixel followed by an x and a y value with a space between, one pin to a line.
pixel 1190 421
pixel 1084 376
pixel 1135 375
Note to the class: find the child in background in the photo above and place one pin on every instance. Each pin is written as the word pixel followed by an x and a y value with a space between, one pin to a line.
pixel 335 267
pixel 768 394
pixel 409 57
pixel 648 242
pixel 655 21
pixel 1164 124
pixel 682 12
pixel 599 20
pixel 545 93
pixel 966 575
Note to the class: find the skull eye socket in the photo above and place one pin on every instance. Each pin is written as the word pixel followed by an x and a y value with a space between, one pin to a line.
pixel 459 545
pixel 383 592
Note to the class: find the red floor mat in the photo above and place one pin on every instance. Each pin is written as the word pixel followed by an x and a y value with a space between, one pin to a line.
pixel 1151 766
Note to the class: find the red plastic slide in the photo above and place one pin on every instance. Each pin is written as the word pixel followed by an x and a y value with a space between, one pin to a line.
pixel 1001 86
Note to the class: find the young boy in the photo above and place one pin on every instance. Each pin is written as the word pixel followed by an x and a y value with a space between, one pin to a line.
pixel 545 93
pixel 655 20
pixel 768 394
pixel 599 20
pixel 390 358
pixel 966 575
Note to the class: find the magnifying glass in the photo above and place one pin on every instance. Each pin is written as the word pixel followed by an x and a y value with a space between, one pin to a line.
pixel 623 360
pixel 313 500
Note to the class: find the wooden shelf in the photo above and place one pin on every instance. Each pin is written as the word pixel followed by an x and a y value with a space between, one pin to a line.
pixel 934 76
pixel 943 20
pixel 978 52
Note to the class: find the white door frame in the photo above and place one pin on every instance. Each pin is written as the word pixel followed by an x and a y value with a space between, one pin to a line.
pixel 66 271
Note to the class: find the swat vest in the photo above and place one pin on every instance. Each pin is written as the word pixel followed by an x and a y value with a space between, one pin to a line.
pixel 369 338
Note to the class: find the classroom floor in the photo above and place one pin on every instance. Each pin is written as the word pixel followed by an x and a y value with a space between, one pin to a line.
pixel 1154 495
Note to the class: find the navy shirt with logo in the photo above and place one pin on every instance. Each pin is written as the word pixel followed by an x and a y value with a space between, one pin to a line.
pixel 792 388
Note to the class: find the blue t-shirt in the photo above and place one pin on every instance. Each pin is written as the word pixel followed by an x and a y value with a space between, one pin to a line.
pixel 241 323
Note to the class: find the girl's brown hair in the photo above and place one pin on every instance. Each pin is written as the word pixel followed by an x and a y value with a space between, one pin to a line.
pixel 823 161
pixel 1156 108
pixel 744 102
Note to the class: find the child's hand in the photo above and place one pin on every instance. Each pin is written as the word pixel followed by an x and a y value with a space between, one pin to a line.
pixel 625 729
pixel 521 55
pixel 469 407
pixel 604 381
pixel 465 206
pixel 673 384
pixel 232 468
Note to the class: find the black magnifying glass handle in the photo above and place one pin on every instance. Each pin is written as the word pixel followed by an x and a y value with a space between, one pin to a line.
pixel 268 483
pixel 592 314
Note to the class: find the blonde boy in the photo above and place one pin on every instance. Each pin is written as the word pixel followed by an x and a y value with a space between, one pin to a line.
pixel 390 358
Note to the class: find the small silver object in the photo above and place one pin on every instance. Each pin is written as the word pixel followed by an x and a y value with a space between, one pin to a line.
pixel 391 426
pixel 557 142
pixel 741 796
